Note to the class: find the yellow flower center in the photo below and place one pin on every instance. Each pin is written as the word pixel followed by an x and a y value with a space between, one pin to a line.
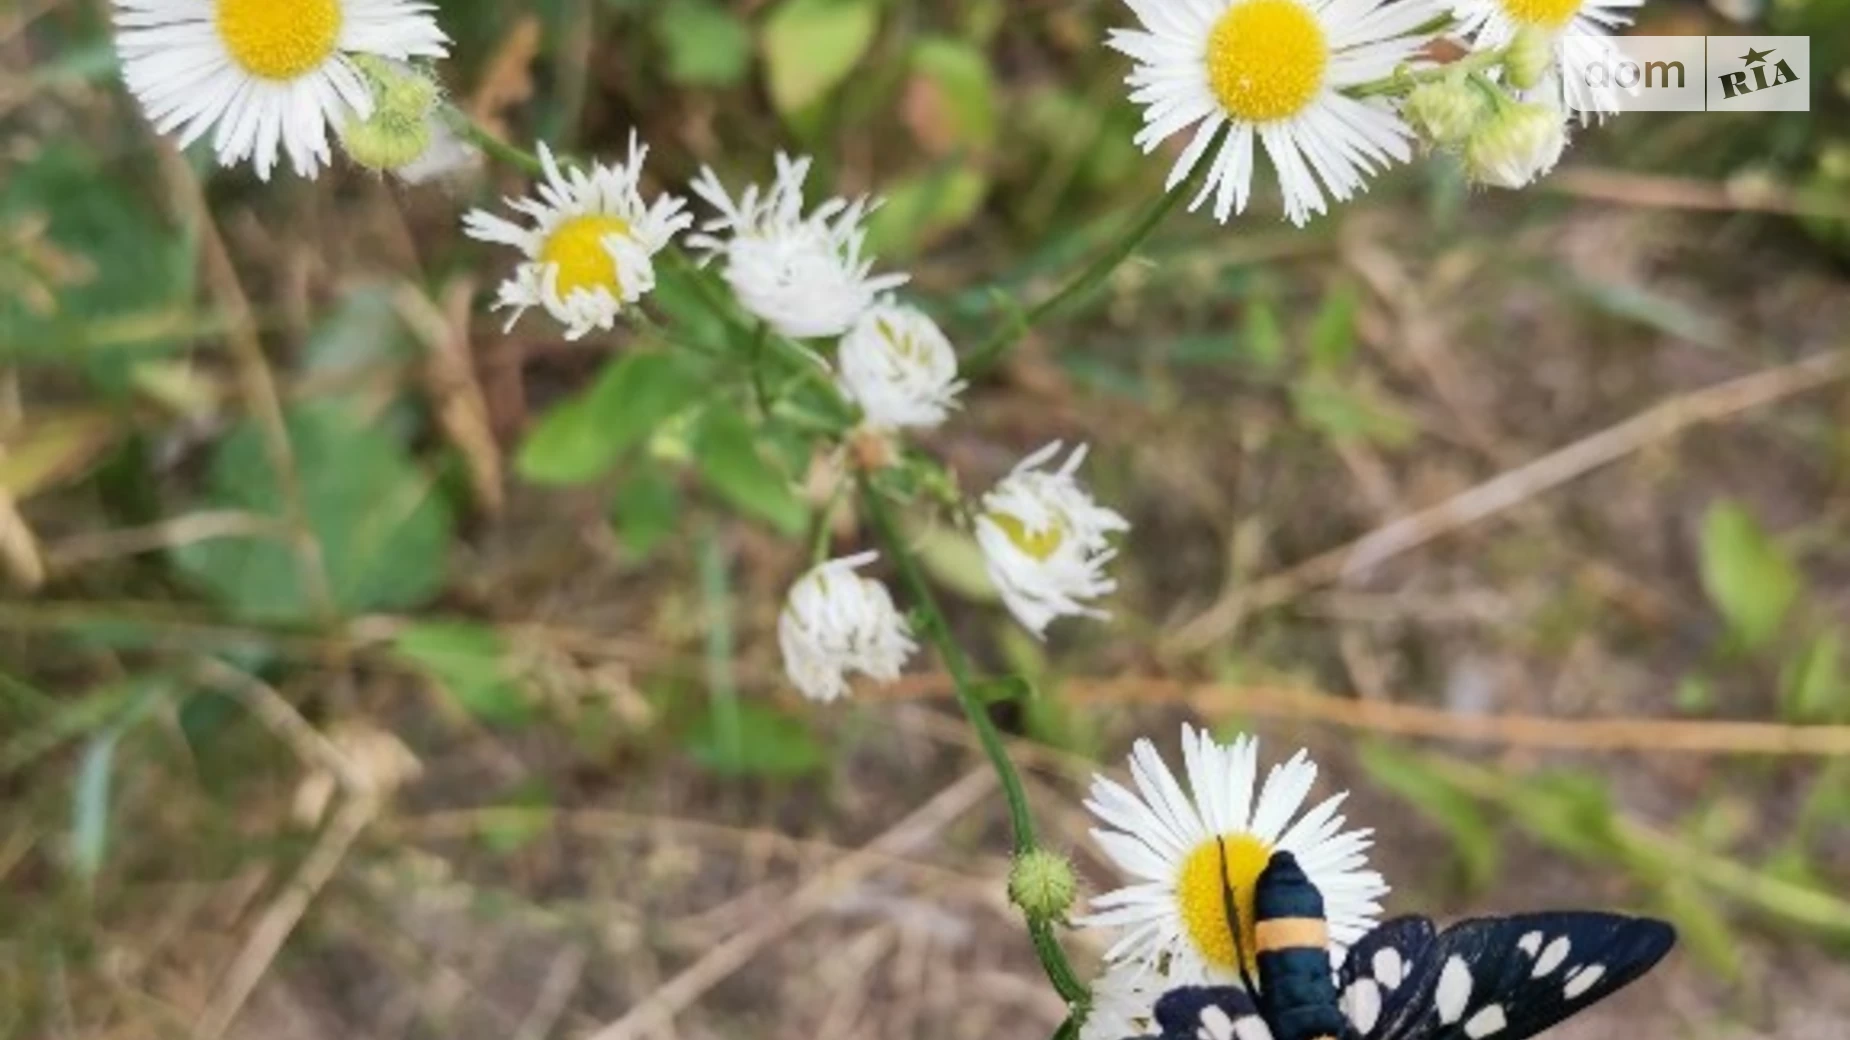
pixel 1038 544
pixel 1266 59
pixel 1202 901
pixel 279 39
pixel 1543 14
pixel 577 247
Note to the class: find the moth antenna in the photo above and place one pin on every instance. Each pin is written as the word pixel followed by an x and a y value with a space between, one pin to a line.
pixel 1231 909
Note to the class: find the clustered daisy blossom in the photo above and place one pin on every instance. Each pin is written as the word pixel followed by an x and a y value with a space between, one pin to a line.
pixel 1573 33
pixel 802 274
pixel 835 622
pixel 1274 71
pixel 1045 541
pixel 590 247
pixel 899 367
pixel 1176 843
pixel 265 77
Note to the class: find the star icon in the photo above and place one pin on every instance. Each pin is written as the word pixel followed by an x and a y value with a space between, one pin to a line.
pixel 1754 57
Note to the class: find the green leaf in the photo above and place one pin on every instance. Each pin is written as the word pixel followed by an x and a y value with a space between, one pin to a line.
pixel 1343 410
pixel 925 206
pixel 1429 793
pixel 955 560
pixel 966 89
pixel 1264 334
pixel 769 743
pixel 706 43
pixel 95 772
pixel 726 450
pixel 1748 577
pixel 1813 682
pixel 646 508
pixel 470 663
pixel 810 47
pixel 1700 927
pixel 1332 334
pixel 383 529
pixel 90 805
pixel 582 437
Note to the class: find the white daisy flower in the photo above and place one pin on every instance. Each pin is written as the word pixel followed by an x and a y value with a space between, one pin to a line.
pixel 1576 32
pixel 1124 1000
pixel 835 622
pixel 1044 541
pixel 1521 142
pixel 1173 915
pixel 590 247
pixel 1275 70
pixel 803 275
pixel 899 367
pixel 268 75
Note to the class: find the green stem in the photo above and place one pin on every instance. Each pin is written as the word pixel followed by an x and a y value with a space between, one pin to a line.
pixel 478 135
pixel 1401 81
pixel 722 690
pixel 755 361
pixel 1089 278
pixel 1052 958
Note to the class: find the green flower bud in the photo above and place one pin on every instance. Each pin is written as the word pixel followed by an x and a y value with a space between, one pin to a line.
pixel 386 143
pixel 1528 58
pixel 1445 112
pixel 1521 142
pixel 1043 884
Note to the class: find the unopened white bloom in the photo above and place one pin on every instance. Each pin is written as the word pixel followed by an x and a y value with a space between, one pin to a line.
pixel 899 367
pixel 1521 142
pixel 269 76
pixel 803 275
pixel 1275 71
pixel 590 247
pixel 836 622
pixel 1044 541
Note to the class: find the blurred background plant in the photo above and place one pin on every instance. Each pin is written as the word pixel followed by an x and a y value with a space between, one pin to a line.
pixel 455 710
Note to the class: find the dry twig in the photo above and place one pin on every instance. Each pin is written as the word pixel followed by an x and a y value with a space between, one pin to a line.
pixel 1506 490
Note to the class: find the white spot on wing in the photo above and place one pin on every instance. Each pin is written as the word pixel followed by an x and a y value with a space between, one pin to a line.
pixel 1389 967
pixel 1215 1025
pixel 1530 943
pixel 1454 990
pixel 1552 956
pixel 1252 1027
pixel 1582 979
pixel 1362 1003
pixel 1487 1021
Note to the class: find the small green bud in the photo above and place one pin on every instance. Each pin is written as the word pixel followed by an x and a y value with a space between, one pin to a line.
pixel 1521 142
pixel 1043 884
pixel 386 143
pixel 1445 112
pixel 1528 58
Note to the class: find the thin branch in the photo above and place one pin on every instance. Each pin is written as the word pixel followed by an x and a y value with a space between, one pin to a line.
pixel 1635 734
pixel 904 837
pixel 1510 488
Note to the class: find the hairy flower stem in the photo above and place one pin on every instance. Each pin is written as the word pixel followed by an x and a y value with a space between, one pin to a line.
pixel 476 134
pixel 1046 947
pixel 1403 80
pixel 1084 282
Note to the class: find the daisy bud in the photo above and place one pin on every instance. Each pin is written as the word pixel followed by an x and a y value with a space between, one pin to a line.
pixel 899 368
pixel 835 622
pixel 1044 541
pixel 1529 57
pixel 402 127
pixel 1445 112
pixel 803 275
pixel 1521 142
pixel 1042 884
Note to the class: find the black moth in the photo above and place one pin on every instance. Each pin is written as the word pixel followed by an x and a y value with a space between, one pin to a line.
pixel 1490 978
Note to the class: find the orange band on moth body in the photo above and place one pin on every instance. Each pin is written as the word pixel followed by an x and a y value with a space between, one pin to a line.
pixel 1292 933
